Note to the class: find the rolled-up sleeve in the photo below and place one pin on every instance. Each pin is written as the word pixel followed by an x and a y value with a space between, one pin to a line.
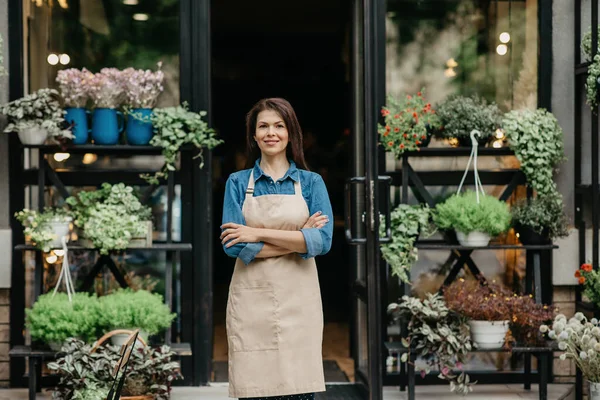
pixel 318 240
pixel 232 212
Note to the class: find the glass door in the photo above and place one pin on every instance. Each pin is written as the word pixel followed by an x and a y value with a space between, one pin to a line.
pixel 362 189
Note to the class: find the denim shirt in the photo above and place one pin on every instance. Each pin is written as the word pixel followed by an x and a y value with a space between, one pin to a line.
pixel 318 240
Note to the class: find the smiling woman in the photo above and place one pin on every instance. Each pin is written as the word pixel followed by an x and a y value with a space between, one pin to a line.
pixel 276 219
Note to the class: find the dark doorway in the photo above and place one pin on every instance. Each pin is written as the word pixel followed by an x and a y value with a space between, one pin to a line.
pixel 299 51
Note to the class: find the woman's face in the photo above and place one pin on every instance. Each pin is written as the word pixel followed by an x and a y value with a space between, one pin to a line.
pixel 271 133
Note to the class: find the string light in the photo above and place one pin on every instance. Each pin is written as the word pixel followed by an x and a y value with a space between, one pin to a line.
pixel 89 158
pixel 502 49
pixel 60 157
pixel 505 37
pixel 51 259
pixel 449 73
pixel 64 59
pixel 499 134
pixel 141 17
pixel 52 59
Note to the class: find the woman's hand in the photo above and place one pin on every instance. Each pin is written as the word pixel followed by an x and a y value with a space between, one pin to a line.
pixel 236 233
pixel 317 220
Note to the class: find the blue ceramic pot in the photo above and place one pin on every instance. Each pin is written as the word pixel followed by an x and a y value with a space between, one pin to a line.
pixel 139 131
pixel 107 124
pixel 78 117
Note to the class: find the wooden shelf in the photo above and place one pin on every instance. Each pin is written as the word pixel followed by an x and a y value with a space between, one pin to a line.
pixel 399 348
pixel 124 149
pixel 430 245
pixel 155 247
pixel 459 151
pixel 181 349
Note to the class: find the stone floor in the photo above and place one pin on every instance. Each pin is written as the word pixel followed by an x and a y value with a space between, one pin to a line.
pixel 482 392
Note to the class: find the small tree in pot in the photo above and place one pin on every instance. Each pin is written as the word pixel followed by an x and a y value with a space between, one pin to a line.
pixel 540 220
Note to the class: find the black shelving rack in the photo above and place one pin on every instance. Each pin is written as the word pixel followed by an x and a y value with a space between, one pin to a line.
pixel 587 195
pixel 538 273
pixel 45 176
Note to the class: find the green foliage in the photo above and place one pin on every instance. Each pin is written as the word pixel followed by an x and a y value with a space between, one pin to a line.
pixel 37 225
pixel 459 115
pixel 175 127
pixel 437 334
pixel 591 83
pixel 407 222
pixel 462 213
pixel 545 215
pixel 93 391
pixel 111 216
pixel 39 109
pixel 150 371
pixel 126 309
pixel 590 279
pixel 55 318
pixel 2 69
pixel 586 43
pixel 537 140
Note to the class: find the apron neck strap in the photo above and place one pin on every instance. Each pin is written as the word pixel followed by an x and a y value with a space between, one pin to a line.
pixel 250 188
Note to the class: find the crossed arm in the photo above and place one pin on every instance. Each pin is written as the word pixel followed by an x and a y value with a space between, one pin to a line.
pixel 276 242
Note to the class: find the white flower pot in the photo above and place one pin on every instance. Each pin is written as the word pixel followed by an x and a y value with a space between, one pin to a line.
pixel 120 338
pixel 33 136
pixel 60 228
pixel 594 391
pixel 473 239
pixel 55 346
pixel 488 334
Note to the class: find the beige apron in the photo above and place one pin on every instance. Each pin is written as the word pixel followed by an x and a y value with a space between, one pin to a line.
pixel 274 310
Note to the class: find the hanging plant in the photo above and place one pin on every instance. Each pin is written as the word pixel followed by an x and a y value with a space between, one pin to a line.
pixel 2 69
pixel 407 223
pixel 537 140
pixel 175 127
pixel 593 77
pixel 408 123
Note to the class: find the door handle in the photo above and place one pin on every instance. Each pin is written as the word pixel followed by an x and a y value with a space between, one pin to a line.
pixel 386 180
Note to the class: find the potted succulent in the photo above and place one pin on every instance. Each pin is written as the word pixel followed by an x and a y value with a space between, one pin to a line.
pixel 175 127
pixel 487 310
pixel 408 123
pixel 407 223
pixel 474 218
pixel 36 117
pixel 106 90
pixel 459 115
pixel 540 220
pixel 438 335
pixel 53 318
pixel 579 340
pixel 537 140
pixel 72 83
pixel 85 372
pixel 128 310
pixel 142 89
pixel 46 229
pixel 111 218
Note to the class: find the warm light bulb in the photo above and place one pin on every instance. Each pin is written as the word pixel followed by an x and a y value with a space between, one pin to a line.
pixel 505 37
pixel 499 134
pixel 60 157
pixel 502 49
pixel 64 59
pixel 52 59
pixel 51 259
pixel 497 144
pixel 89 158
pixel 451 63
pixel 141 17
pixel 131 2
pixel 449 73
pixel 59 253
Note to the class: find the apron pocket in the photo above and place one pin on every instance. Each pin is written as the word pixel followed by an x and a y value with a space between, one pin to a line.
pixel 253 319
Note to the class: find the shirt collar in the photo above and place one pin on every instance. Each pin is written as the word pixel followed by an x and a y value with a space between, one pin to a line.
pixel 291 173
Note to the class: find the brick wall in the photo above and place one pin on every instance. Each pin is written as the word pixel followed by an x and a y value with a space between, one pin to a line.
pixel 4 337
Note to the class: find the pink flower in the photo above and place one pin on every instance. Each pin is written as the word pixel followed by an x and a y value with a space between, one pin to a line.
pixel 423 373
pixel 459 365
pixel 445 371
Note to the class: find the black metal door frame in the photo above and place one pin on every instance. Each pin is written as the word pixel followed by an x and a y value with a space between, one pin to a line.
pixel 196 270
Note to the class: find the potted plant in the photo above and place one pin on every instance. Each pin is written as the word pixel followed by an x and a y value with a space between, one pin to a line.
pixel 36 117
pixel 589 278
pixel 86 369
pixel 537 140
pixel 128 310
pixel 112 218
pixel 438 335
pixel 540 220
pixel 2 69
pixel 175 127
pixel 486 308
pixel 474 222
pixel 72 84
pixel 45 229
pixel 106 90
pixel 459 115
pixel 579 340
pixel 407 223
pixel 591 85
pixel 526 318
pixel 53 318
pixel 408 123
pixel 142 89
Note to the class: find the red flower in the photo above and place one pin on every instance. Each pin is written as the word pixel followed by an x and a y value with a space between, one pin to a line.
pixel 418 142
pixel 581 280
pixel 587 267
pixel 405 136
pixel 415 115
pixel 415 135
pixel 385 112
pixel 397 116
pixel 390 143
pixel 423 137
pixel 401 146
pixel 419 94
pixel 396 130
pixel 577 273
pixel 409 97
pixel 387 128
pixel 386 133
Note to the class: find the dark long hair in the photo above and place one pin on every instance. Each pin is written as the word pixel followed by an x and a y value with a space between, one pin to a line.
pixel 283 108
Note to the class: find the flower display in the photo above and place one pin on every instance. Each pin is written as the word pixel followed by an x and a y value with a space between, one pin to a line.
pixel 408 122
pixel 106 88
pixel 142 87
pixel 590 280
pixel 73 86
pixel 579 340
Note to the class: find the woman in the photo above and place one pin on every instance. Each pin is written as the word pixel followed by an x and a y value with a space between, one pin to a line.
pixel 276 218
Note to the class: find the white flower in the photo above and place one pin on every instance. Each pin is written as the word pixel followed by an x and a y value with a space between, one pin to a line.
pixel 579 316
pixel 563 336
pixel 543 328
pixel 594 321
pixel 552 335
pixel 597 347
pixel 562 345
pixel 591 353
pixel 585 339
pixel 563 356
pixel 583 355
